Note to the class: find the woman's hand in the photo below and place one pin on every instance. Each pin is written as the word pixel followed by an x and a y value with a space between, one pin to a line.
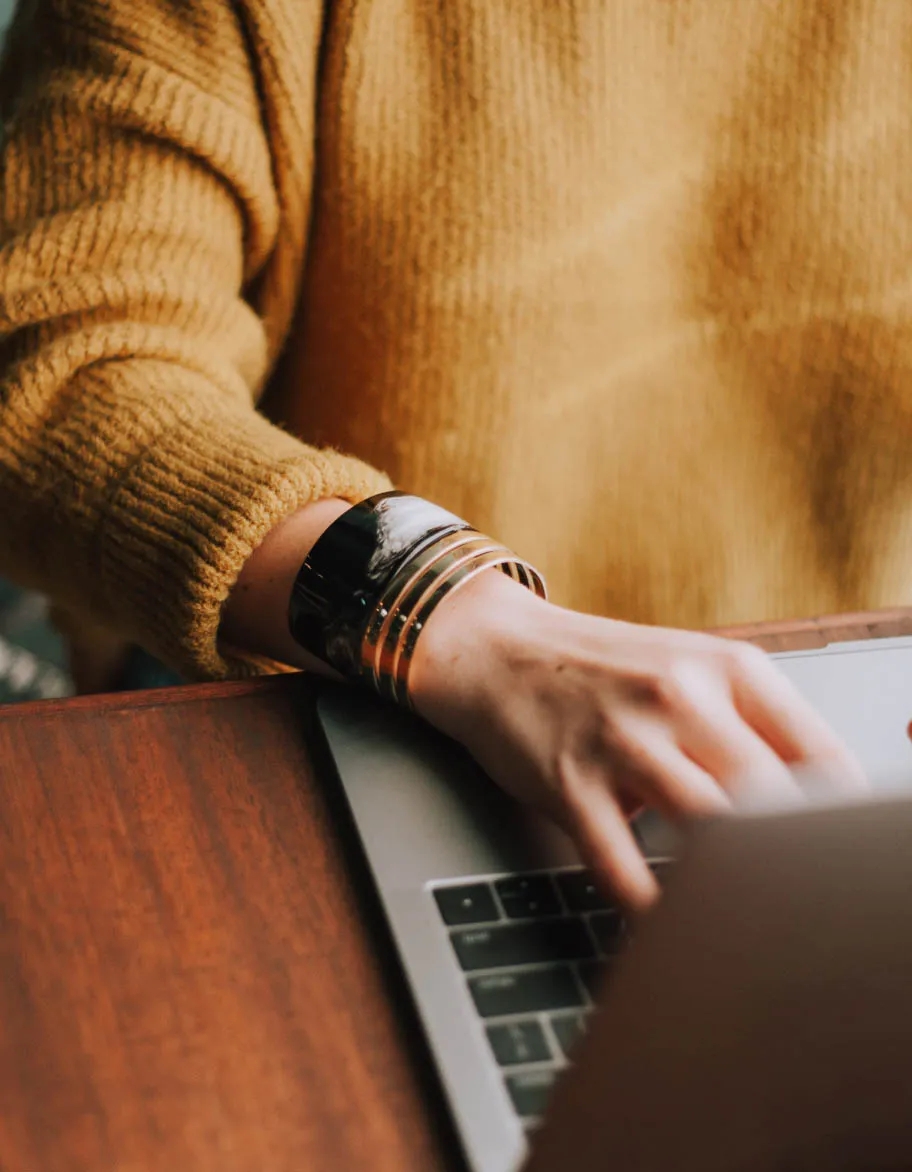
pixel 589 719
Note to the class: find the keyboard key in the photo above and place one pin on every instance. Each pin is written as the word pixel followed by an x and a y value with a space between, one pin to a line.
pixel 500 994
pixel 608 929
pixel 580 892
pixel 593 973
pixel 530 1090
pixel 568 1029
pixel 519 1041
pixel 528 896
pixel 505 945
pixel 471 904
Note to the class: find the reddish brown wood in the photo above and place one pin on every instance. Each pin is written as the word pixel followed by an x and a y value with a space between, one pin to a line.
pixel 818 632
pixel 190 975
pixel 185 977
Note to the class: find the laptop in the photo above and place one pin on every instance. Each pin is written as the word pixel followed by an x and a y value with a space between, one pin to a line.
pixel 762 1019
pixel 503 939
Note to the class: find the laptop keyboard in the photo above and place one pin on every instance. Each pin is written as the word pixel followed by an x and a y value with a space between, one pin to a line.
pixel 534 949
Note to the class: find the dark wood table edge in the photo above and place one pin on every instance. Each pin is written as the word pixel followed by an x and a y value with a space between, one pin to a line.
pixel 796 634
pixel 153 697
pixel 806 634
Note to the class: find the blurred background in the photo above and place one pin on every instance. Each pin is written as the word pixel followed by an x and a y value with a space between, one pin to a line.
pixel 32 661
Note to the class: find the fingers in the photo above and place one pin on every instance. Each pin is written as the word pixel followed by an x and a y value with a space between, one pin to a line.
pixel 691 727
pixel 792 727
pixel 710 731
pixel 665 777
pixel 744 736
pixel 605 839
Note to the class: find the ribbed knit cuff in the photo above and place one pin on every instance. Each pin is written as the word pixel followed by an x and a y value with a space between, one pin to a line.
pixel 190 514
pixel 172 487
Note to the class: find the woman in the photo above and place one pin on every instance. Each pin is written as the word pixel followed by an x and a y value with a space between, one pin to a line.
pixel 623 283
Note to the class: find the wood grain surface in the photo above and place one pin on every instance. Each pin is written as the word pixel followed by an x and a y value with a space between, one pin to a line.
pixel 188 978
pixel 807 633
pixel 193 975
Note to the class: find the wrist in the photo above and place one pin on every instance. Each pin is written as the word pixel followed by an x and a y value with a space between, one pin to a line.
pixel 372 583
pixel 465 650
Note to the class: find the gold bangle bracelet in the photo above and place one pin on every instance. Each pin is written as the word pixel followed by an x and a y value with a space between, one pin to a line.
pixel 394 590
pixel 394 607
pixel 415 591
pixel 433 588
pixel 399 679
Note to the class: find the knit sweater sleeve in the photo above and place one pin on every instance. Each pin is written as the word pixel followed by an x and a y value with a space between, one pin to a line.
pixel 138 218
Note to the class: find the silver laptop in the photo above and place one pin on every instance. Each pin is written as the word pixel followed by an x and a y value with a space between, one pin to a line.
pixel 503 939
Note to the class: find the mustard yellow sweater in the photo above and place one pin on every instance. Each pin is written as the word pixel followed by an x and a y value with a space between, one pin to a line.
pixel 625 282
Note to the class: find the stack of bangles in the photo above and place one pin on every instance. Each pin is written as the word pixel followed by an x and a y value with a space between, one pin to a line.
pixel 371 582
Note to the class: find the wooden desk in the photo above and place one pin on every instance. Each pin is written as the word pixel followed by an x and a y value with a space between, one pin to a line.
pixel 192 971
